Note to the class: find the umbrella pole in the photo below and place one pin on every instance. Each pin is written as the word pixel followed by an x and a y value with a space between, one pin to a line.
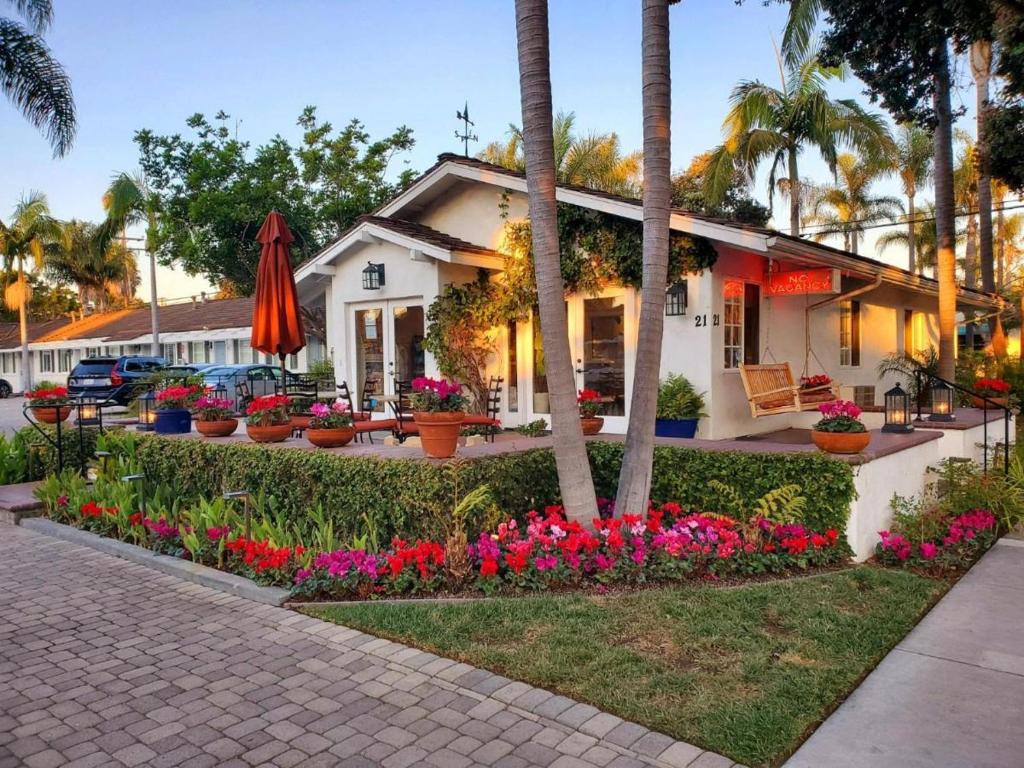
pixel 284 376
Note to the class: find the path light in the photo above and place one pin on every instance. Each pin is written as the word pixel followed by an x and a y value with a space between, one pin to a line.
pixel 942 402
pixel 897 411
pixel 88 411
pixel 244 496
pixel 102 457
pixel 373 276
pixel 142 496
pixel 675 299
pixel 147 411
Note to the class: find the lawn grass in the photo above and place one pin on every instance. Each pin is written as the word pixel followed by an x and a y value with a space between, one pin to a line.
pixel 744 671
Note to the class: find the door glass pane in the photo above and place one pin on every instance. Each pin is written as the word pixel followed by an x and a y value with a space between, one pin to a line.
pixel 604 352
pixel 513 369
pixel 408 340
pixel 541 403
pixel 369 357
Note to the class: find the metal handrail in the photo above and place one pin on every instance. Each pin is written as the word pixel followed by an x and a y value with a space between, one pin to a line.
pixel 986 401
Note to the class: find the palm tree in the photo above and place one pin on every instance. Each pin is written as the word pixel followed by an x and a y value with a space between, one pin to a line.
pixel 100 272
pixel 945 219
pixel 777 124
pixel 29 231
pixel 32 79
pixel 981 69
pixel 925 238
pixel 913 159
pixel 965 196
pixel 574 477
pixel 635 476
pixel 128 201
pixel 594 160
pixel 847 206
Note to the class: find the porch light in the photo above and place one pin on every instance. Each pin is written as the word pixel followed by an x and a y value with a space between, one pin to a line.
pixel 147 411
pixel 88 411
pixel 942 402
pixel 675 299
pixel 897 411
pixel 373 276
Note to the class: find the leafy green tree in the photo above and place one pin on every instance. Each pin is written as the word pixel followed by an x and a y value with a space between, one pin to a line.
pixel 49 302
pixel 103 273
pixel 688 193
pixel 32 79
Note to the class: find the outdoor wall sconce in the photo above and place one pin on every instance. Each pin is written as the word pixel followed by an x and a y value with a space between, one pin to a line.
pixel 373 276
pixel 88 412
pixel 897 411
pixel 942 402
pixel 147 412
pixel 676 299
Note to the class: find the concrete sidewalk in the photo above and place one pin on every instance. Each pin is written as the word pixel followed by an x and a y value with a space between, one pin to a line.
pixel 951 695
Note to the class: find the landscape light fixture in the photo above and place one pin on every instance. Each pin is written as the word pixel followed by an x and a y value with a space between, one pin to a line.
pixel 244 496
pixel 373 276
pixel 942 402
pixel 147 411
pixel 88 411
pixel 675 299
pixel 138 478
pixel 897 411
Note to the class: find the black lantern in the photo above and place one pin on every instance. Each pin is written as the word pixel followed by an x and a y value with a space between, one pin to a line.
pixel 897 411
pixel 942 402
pixel 675 299
pixel 88 412
pixel 373 276
pixel 147 411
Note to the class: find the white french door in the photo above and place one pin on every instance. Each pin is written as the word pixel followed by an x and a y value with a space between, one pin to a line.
pixel 387 347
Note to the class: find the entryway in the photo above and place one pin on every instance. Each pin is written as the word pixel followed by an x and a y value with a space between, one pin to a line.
pixel 388 345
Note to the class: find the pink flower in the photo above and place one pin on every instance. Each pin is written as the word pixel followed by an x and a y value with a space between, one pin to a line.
pixel 929 550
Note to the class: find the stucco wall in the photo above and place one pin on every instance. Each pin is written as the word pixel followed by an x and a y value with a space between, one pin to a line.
pixel 472 212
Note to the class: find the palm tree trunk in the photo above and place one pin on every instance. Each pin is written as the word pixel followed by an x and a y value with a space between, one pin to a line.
pixel 794 195
pixel 637 462
pixel 970 275
pixel 1001 246
pixel 26 357
pixel 911 235
pixel 574 478
pixel 944 219
pixel 981 66
pixel 154 315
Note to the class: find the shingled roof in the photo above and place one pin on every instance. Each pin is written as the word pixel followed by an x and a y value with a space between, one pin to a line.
pixel 426 234
pixel 10 334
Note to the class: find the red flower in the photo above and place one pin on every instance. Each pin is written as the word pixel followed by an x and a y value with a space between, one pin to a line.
pixel 489 567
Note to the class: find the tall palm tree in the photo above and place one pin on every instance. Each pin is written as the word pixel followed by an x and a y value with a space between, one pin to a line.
pixel 101 272
pixel 595 160
pixel 966 191
pixel 130 200
pixel 945 219
pixel 25 237
pixel 32 79
pixel 637 462
pixel 981 69
pixel 922 234
pixel 1000 191
pixel 574 477
pixel 777 124
pixel 913 160
pixel 846 206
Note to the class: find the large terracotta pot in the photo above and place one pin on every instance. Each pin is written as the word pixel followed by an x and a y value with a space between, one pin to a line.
pixel 841 442
pixel 591 424
pixel 50 415
pixel 275 433
pixel 330 438
pixel 979 403
pixel 439 432
pixel 173 421
pixel 221 428
pixel 300 421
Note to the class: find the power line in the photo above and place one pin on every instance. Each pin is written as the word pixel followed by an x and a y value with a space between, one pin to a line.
pixel 882 225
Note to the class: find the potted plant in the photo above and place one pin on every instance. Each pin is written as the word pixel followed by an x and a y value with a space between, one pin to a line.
pixel 49 402
pixel 267 419
pixel 680 407
pixel 589 403
pixel 299 410
pixel 330 426
pixel 840 429
pixel 215 416
pixel 438 410
pixel 173 416
pixel 994 390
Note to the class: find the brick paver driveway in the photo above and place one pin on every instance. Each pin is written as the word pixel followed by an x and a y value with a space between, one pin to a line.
pixel 107 663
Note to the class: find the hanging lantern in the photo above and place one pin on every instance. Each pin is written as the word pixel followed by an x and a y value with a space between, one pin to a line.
pixel 373 276
pixel 147 411
pixel 897 411
pixel 675 299
pixel 88 411
pixel 942 402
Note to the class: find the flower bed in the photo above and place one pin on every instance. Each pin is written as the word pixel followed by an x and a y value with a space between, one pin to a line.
pixel 956 545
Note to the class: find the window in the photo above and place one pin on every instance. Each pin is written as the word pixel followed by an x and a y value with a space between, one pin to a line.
pixel 513 369
pixel 751 323
pixel 64 360
pixel 46 361
pixel 170 353
pixel 293 362
pixel 849 333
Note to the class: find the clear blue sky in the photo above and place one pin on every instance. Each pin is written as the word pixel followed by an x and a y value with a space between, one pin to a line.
pixel 387 62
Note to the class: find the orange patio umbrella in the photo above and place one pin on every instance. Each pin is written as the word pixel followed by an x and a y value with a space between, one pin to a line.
pixel 276 317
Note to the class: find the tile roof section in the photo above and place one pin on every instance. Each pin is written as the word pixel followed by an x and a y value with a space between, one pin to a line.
pixel 426 234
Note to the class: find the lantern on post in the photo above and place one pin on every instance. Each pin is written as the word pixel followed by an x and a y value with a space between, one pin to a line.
pixel 675 299
pixel 147 411
pixel 942 401
pixel 88 412
pixel 897 411
pixel 373 276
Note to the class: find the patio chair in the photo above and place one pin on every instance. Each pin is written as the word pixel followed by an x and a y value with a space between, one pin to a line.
pixel 405 423
pixel 771 389
pixel 243 396
pixel 488 419
pixel 363 421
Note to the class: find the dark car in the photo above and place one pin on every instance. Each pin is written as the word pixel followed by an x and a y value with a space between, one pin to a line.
pixel 112 378
pixel 5 389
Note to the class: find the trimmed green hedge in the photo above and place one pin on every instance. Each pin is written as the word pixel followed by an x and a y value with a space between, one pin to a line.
pixel 414 497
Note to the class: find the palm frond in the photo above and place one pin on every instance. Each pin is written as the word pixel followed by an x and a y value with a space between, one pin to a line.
pixel 38 13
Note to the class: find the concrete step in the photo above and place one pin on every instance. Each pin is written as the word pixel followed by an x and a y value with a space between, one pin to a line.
pixel 17 501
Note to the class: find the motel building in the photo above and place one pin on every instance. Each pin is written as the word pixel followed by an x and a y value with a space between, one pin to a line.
pixel 769 298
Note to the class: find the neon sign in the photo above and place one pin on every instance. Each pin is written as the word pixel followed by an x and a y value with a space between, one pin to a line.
pixel 799 282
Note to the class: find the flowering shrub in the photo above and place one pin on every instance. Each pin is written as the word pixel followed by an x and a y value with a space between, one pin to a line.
pixel 589 402
pixel 268 410
pixel 209 408
pixel 840 416
pixel 333 416
pixel 172 398
pixel 992 387
pixel 963 539
pixel 261 560
pixel 47 393
pixel 815 382
pixel 436 395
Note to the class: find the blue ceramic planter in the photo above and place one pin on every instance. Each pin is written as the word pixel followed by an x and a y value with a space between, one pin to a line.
pixel 675 427
pixel 174 421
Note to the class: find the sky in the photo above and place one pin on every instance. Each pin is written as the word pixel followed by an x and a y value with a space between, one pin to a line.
pixel 387 62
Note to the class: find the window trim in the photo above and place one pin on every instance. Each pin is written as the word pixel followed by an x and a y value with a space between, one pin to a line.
pixel 856 327
pixel 741 346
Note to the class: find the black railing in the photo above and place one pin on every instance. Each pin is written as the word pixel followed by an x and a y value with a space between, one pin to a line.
pixel 987 405
pixel 76 405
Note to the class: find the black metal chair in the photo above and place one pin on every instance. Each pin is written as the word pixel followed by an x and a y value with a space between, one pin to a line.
pixel 489 419
pixel 243 396
pixel 363 421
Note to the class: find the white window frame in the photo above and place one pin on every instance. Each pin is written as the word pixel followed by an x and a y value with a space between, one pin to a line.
pixel 847 330
pixel 65 360
pixel 46 361
pixel 737 358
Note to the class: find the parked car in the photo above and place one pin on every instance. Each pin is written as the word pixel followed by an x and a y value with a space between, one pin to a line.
pixel 185 370
pixel 259 378
pixel 5 389
pixel 112 378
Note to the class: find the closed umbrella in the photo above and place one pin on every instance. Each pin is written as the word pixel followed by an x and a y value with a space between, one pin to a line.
pixel 276 317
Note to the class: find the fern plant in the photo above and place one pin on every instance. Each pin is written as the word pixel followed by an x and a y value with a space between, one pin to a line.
pixel 781 505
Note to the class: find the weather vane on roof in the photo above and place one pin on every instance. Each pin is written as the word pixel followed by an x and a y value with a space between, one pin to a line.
pixel 466 136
